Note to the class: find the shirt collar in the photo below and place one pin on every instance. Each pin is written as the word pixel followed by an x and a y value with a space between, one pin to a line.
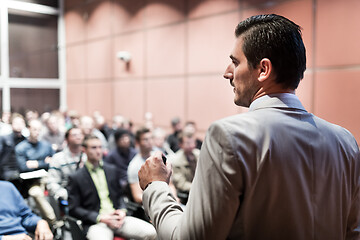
pixel 91 167
pixel 280 100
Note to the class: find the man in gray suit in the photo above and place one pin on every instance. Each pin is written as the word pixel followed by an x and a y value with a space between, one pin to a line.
pixel 275 172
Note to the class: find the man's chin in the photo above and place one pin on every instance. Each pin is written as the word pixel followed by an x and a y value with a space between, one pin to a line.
pixel 242 103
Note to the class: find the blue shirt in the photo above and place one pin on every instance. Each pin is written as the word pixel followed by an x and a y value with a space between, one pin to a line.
pixel 15 216
pixel 33 151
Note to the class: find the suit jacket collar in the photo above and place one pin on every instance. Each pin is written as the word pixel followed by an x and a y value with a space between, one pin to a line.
pixel 279 100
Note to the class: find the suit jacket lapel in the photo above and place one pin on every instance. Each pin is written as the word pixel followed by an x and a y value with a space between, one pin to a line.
pixel 87 177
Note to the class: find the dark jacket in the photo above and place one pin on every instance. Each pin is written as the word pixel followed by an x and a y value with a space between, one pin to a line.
pixel 84 201
pixel 8 164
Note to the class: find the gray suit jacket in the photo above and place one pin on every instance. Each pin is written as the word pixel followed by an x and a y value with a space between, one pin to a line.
pixel 275 172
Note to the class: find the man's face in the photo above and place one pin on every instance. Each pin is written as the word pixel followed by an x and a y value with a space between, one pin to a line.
pixel 94 150
pixel 188 144
pixel 242 77
pixel 18 124
pixel 53 124
pixel 146 142
pixel 124 141
pixel 34 130
pixel 86 125
pixel 75 137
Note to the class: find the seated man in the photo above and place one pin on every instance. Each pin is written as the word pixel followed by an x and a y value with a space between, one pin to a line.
pixel 95 197
pixel 144 141
pixel 8 165
pixel 65 163
pixel 33 154
pixel 184 164
pixel 16 218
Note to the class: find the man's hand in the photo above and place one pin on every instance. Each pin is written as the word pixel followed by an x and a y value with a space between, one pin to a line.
pixel 42 231
pixel 48 159
pixel 32 163
pixel 154 169
pixel 114 220
pixel 22 236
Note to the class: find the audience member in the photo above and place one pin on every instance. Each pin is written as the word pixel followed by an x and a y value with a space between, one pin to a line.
pixel 31 114
pixel 144 141
pixel 184 164
pixel 53 134
pixel 119 122
pixel 190 127
pixel 173 139
pixel 9 169
pixel 96 199
pixel 72 119
pixel 87 126
pixel 122 155
pixel 101 125
pixel 32 154
pixel 6 117
pixel 160 143
pixel 16 218
pixel 5 127
pixel 65 163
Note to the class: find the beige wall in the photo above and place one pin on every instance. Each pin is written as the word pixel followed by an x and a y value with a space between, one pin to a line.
pixel 180 49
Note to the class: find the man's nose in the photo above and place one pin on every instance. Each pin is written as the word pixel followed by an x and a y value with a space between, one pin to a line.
pixel 229 72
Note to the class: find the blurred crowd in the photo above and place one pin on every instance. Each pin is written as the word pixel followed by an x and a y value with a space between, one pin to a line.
pixel 44 157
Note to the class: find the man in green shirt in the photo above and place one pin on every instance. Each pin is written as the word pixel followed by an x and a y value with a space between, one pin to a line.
pixel 96 198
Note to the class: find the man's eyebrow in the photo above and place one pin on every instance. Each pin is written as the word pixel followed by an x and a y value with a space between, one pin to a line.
pixel 233 58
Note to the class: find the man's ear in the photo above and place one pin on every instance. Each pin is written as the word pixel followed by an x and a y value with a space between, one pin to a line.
pixel 265 69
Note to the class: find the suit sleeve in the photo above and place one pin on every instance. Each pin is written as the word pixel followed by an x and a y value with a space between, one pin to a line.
pixel 74 201
pixel 214 196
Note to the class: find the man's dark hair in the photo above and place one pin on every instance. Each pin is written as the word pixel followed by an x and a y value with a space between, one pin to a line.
pixel 67 133
pixel 140 132
pixel 88 138
pixel 278 39
pixel 119 133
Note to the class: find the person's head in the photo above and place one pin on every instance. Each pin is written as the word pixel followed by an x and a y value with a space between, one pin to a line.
pixel 176 124
pixel 144 140
pixel 93 149
pixel 99 121
pixel 6 117
pixel 74 118
pixel 272 48
pixel 159 137
pixel 119 121
pixel 187 142
pixel 30 115
pixel 74 136
pixel 35 127
pixel 86 125
pixel 17 123
pixel 190 127
pixel 122 138
pixel 52 123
